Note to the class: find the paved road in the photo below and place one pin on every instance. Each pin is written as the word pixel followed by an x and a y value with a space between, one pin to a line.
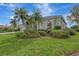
pixel 10 32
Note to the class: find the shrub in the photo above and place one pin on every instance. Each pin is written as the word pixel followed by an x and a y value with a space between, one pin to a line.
pixel 43 33
pixel 34 34
pixel 28 34
pixel 5 30
pixel 41 29
pixel 1 30
pixel 16 30
pixel 71 32
pixel 75 27
pixel 57 27
pixel 48 31
pixel 77 30
pixel 19 34
pixel 59 34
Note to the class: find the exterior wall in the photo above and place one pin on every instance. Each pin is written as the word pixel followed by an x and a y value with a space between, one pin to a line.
pixel 52 21
pixel 63 25
pixel 59 23
pixel 43 25
pixel 22 27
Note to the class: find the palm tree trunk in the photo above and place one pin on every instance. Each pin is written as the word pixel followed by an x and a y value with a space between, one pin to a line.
pixel 35 26
pixel 24 23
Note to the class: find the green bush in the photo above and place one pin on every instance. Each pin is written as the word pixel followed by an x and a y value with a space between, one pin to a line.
pixel 34 34
pixel 59 34
pixel 5 30
pixel 1 30
pixel 77 30
pixel 43 33
pixel 75 27
pixel 19 34
pixel 48 31
pixel 57 27
pixel 71 32
pixel 28 34
pixel 41 29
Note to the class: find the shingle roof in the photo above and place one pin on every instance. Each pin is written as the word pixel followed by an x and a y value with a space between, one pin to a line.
pixel 54 17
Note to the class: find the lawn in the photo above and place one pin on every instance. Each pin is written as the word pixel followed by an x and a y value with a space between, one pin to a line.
pixel 45 46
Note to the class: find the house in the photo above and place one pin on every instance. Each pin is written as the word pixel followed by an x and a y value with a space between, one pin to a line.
pixel 50 22
pixel 2 26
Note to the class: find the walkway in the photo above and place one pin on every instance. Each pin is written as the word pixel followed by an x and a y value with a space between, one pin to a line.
pixel 10 32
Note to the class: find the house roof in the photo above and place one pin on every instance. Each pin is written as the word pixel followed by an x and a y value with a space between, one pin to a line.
pixel 54 17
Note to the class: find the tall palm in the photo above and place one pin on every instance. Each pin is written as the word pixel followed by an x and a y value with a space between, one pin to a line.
pixel 37 18
pixel 13 23
pixel 74 17
pixel 21 14
pixel 29 23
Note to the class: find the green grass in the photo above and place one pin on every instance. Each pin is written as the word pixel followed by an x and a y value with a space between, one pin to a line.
pixel 45 46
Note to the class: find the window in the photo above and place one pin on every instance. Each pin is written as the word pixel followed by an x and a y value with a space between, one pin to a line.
pixel 56 22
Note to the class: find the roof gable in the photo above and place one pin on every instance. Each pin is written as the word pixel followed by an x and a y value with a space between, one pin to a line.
pixel 54 17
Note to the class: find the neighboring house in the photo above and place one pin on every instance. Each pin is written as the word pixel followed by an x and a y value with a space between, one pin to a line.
pixel 2 26
pixel 21 26
pixel 50 22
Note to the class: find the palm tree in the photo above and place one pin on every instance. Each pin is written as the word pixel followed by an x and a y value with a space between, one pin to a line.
pixel 21 14
pixel 13 23
pixel 74 17
pixel 36 18
pixel 29 23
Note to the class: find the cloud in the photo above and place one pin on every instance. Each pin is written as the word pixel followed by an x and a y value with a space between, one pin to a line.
pixel 1 4
pixel 11 17
pixel 8 5
pixel 30 13
pixel 45 9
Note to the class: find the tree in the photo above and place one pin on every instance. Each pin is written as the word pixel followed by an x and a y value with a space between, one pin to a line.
pixel 13 23
pixel 74 17
pixel 36 18
pixel 21 14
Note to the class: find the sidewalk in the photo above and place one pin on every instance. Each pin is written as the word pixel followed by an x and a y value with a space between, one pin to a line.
pixel 10 32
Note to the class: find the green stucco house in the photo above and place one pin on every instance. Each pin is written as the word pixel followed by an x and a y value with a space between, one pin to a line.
pixel 52 21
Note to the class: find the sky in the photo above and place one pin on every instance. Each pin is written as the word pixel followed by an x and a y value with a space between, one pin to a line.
pixel 47 9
